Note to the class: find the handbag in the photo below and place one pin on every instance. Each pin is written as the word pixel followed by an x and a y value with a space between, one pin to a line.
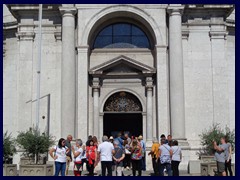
pixel 77 168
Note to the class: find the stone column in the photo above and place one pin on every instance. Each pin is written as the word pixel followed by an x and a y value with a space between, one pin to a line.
pixel 219 71
pixel 100 126
pixel 83 93
pixel 176 72
pixel 68 83
pixel 162 83
pixel 58 56
pixel 149 89
pixel 144 121
pixel 26 72
pixel 95 124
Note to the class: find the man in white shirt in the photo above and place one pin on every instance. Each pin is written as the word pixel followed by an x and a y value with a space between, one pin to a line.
pixel 105 152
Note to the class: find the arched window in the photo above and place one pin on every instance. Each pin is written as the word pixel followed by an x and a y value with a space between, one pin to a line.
pixel 121 35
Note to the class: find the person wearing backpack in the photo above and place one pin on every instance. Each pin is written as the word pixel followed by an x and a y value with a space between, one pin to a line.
pixel 165 153
pixel 59 157
pixel 176 157
pixel 118 159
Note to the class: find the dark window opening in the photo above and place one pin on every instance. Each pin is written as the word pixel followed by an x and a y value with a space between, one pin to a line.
pixel 121 35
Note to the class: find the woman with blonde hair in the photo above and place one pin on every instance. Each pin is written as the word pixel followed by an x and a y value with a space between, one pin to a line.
pixel 155 156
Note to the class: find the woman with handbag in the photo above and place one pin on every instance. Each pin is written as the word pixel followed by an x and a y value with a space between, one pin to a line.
pixel 77 154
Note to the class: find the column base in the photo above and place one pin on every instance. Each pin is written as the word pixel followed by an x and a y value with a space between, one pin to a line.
pixel 149 143
pixel 183 143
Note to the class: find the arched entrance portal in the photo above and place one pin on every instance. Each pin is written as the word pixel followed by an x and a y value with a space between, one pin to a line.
pixel 122 113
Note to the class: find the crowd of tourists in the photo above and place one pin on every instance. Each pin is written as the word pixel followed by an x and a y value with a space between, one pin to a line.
pixel 122 152
pixel 116 154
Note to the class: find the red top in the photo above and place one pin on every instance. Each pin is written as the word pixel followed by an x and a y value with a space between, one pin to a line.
pixel 90 153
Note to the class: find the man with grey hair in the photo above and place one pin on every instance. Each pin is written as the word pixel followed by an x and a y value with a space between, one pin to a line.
pixel 105 152
pixel 118 158
pixel 69 154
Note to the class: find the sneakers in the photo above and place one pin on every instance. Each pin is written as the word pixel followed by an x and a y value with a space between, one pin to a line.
pixel 128 168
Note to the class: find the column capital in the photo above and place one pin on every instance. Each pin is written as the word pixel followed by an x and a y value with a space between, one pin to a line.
pixel 173 9
pixel 82 49
pixel 164 47
pixel 149 83
pixel 95 83
pixel 68 11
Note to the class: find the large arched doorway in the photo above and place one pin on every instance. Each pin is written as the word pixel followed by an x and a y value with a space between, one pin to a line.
pixel 122 113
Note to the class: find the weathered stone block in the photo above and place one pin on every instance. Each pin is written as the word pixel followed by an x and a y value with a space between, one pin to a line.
pixel 9 169
pixel 36 170
pixel 206 159
pixel 194 167
pixel 210 168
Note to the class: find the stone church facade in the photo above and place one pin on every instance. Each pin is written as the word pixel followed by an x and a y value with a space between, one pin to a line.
pixel 148 69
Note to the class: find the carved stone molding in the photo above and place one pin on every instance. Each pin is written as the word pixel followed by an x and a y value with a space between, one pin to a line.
pixel 218 34
pixel 25 36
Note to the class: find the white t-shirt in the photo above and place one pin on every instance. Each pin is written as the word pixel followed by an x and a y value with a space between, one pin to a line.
pixel 61 153
pixel 105 150
pixel 79 157
pixel 176 153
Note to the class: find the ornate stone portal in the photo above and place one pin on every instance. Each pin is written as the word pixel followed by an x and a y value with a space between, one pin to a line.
pixel 122 102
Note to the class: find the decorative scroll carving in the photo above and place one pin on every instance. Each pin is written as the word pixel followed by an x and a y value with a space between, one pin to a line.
pixel 122 102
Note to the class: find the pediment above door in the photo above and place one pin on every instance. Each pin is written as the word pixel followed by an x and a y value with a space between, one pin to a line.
pixel 122 66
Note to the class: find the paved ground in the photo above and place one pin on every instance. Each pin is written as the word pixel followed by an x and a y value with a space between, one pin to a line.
pixel 129 173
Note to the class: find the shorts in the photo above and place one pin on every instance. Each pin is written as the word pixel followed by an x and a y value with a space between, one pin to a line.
pixel 221 167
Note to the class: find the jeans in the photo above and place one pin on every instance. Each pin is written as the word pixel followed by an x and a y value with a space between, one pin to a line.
pixel 175 169
pixel 60 166
pixel 143 163
pixel 106 165
pixel 167 166
pixel 117 170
